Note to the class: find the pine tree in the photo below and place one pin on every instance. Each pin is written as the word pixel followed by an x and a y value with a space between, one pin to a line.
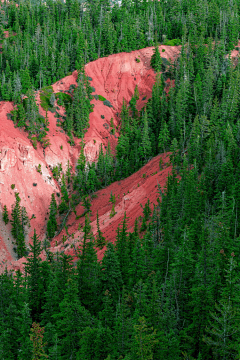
pixel 88 268
pixel 124 118
pixel 122 248
pixel 26 346
pixel 100 239
pixel 144 339
pixel 224 329
pixel 71 319
pixel 36 337
pixel 5 215
pixel 156 60
pixel 19 221
pixel 164 137
pixel 111 277
pixel 34 281
pixel 52 99
pixel 25 80
pixel 145 143
pixel 64 205
pixel 52 222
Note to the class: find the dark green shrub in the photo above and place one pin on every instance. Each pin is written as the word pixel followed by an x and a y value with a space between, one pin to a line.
pixel 107 103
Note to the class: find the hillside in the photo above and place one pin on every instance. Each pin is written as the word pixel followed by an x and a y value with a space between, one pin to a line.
pixel 113 77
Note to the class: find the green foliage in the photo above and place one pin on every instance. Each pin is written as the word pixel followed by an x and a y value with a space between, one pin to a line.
pixel 5 215
pixel 63 99
pixel 107 103
pixel 56 171
pixel 100 239
pixel 19 222
pixel 113 212
pixel 145 340
pixel 156 60
pixel 52 222
pixel 101 98
pixel 173 42
pixel 36 337
pixel 45 96
pixel 39 169
pixel 154 293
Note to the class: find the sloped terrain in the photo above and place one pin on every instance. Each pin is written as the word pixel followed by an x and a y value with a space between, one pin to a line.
pixel 130 194
pixel 115 78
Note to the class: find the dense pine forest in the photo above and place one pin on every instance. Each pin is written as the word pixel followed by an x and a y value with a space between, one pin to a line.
pixel 171 288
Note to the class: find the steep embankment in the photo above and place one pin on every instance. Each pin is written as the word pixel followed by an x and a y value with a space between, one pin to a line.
pixel 130 194
pixel 113 77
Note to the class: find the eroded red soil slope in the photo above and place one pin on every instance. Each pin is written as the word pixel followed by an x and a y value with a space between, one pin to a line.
pixel 130 193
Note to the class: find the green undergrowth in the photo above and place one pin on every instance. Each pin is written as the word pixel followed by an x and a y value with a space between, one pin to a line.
pixel 45 95
pixel 63 99
pixel 173 42
pixel 100 97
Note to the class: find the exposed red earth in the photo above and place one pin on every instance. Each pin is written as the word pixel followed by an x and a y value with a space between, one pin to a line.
pixel 130 194
pixel 115 78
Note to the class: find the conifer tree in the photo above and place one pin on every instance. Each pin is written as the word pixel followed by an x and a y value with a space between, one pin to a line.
pixel 64 205
pixel 88 268
pixel 156 60
pixel 26 346
pixel 124 118
pixel 100 239
pixel 111 277
pixel 71 320
pixel 164 137
pixel 122 248
pixel 36 336
pixel 145 143
pixel 52 222
pixel 34 280
pixel 145 339
pixel 5 215
pixel 19 221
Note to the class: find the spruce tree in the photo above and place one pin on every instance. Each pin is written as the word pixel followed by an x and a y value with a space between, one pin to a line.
pixel 5 215
pixel 122 250
pixel 64 205
pixel 34 280
pixel 156 60
pixel 19 221
pixel 88 268
pixel 100 239
pixel 52 222
pixel 164 137
pixel 145 143
pixel 111 277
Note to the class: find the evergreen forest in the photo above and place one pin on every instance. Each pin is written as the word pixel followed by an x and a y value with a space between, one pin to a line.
pixel 169 289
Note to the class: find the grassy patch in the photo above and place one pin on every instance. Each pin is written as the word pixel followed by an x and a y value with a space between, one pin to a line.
pixel 100 97
pixel 173 42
